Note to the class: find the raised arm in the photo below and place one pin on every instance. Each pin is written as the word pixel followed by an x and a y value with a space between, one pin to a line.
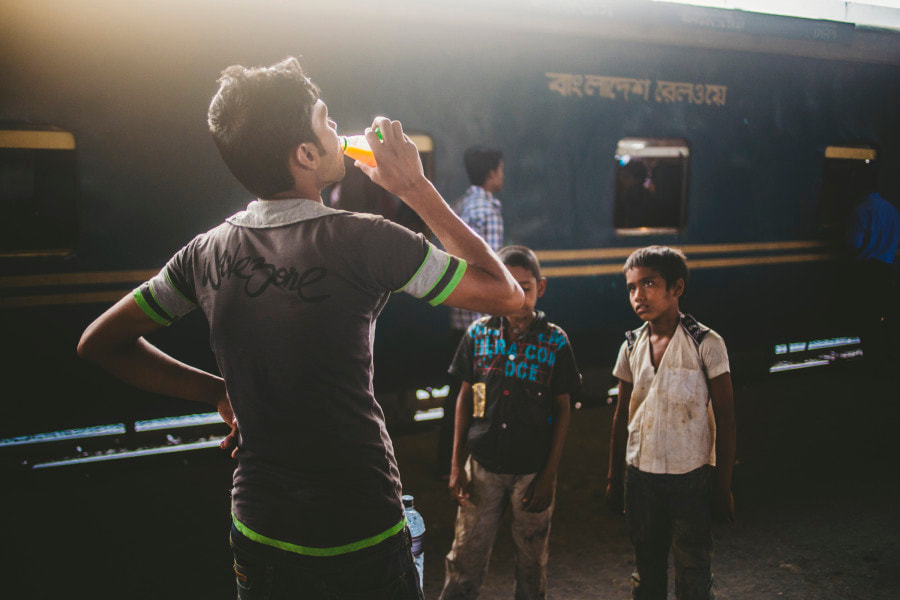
pixel 486 286
pixel 115 341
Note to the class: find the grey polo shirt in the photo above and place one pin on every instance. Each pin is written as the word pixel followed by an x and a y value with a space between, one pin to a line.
pixel 291 290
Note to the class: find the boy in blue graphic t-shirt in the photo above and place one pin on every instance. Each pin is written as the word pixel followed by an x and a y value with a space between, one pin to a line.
pixel 512 415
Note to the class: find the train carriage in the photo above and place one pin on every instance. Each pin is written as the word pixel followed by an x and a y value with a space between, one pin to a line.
pixel 734 136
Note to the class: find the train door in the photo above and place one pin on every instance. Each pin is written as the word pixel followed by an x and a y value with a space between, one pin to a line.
pixel 849 172
pixel 850 176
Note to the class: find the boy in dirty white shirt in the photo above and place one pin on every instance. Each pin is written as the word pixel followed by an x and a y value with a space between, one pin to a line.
pixel 673 431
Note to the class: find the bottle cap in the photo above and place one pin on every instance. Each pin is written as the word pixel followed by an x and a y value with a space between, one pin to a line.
pixel 407 501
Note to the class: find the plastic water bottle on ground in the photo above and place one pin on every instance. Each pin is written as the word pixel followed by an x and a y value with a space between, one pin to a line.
pixel 417 531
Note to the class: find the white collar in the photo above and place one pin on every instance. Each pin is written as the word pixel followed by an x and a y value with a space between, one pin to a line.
pixel 261 214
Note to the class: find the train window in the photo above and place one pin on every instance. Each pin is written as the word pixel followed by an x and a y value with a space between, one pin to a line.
pixel 356 192
pixel 38 193
pixel 849 172
pixel 651 185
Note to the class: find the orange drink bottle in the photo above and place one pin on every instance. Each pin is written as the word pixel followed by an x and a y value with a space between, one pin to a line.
pixel 357 148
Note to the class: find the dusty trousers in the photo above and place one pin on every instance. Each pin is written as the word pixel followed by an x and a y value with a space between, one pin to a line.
pixel 476 528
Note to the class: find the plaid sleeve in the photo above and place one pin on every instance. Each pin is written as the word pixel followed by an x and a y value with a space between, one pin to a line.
pixel 168 296
pixel 487 222
pixel 493 229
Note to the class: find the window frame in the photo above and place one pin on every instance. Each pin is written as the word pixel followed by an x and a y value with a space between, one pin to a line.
pixel 647 148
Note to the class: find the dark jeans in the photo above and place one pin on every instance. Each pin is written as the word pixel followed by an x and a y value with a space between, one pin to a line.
pixel 383 572
pixel 670 511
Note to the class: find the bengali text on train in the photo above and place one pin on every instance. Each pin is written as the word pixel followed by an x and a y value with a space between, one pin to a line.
pixel 628 89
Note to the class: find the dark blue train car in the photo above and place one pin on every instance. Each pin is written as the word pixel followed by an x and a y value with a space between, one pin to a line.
pixel 734 136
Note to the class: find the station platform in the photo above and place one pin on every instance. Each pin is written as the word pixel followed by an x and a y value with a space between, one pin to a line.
pixel 815 495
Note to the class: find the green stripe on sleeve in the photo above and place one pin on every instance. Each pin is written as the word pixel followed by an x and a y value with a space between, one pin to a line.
pixel 457 277
pixel 419 270
pixel 312 551
pixel 169 318
pixel 139 298
pixel 433 290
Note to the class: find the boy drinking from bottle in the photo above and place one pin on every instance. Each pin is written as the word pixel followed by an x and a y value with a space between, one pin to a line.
pixel 291 290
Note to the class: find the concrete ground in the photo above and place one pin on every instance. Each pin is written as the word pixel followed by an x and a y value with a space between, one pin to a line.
pixel 816 504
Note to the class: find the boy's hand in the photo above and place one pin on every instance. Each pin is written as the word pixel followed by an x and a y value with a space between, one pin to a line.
pixel 399 167
pixel 539 494
pixel 615 496
pixel 459 485
pixel 723 506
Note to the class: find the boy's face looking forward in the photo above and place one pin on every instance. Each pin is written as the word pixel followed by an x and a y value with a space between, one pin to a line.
pixel 534 288
pixel 649 296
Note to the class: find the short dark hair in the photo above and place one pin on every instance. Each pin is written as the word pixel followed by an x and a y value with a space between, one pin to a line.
pixel 481 160
pixel 670 263
pixel 258 117
pixel 520 256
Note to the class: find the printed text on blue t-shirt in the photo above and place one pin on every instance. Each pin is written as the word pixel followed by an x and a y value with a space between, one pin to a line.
pixel 528 362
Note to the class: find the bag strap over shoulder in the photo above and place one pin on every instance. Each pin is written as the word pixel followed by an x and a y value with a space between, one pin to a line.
pixel 696 332
pixel 632 336
pixel 694 329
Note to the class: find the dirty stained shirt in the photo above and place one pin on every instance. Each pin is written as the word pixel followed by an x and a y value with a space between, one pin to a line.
pixel 671 427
